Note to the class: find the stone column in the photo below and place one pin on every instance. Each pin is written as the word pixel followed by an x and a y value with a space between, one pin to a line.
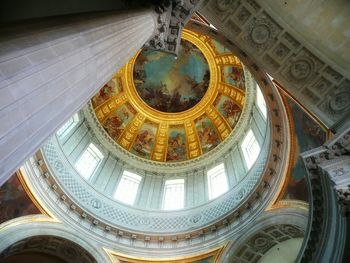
pixel 50 68
pixel 328 176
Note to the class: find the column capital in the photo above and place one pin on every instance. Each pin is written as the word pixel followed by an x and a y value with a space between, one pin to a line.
pixel 333 160
pixel 172 16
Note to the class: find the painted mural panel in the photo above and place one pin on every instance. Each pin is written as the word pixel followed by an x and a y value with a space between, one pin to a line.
pixel 218 47
pixel 170 84
pixel 14 201
pixel 176 144
pixel 207 133
pixel 118 120
pixel 309 134
pixel 109 90
pixel 228 109
pixel 234 76
pixel 144 142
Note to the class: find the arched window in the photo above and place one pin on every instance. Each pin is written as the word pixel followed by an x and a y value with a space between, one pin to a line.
pixel 89 161
pixel 68 126
pixel 174 194
pixel 217 181
pixel 127 188
pixel 260 101
pixel 250 148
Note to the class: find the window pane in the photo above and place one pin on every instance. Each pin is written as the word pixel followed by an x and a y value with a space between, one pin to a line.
pixel 260 101
pixel 250 148
pixel 88 161
pixel 127 188
pixel 217 181
pixel 174 193
pixel 68 126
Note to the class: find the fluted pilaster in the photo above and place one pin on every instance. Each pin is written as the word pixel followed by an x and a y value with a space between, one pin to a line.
pixel 50 68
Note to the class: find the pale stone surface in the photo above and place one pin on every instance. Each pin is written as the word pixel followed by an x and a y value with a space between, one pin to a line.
pixel 314 73
pixel 285 252
pixel 49 70
pixel 323 23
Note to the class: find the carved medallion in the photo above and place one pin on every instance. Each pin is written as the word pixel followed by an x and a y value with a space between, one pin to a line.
pixel 260 34
pixel 340 101
pixel 261 242
pixel 300 69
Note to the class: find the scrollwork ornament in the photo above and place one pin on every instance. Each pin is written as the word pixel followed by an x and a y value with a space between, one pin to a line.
pixel 144 221
pixel 59 166
pixel 240 195
pixel 95 203
pixel 195 219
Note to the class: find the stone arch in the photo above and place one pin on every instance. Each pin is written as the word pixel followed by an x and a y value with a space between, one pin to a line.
pixel 41 234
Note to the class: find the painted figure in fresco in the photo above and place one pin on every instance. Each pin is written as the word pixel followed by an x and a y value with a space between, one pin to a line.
pixel 176 148
pixel 178 84
pixel 309 135
pixel 143 142
pixel 230 109
pixel 297 189
pixel 14 202
pixel 114 125
pixel 208 137
pixel 236 76
pixel 104 94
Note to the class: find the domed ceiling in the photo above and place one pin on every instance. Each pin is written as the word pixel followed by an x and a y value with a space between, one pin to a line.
pixel 170 109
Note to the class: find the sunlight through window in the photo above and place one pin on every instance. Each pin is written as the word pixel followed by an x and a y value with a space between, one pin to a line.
pixel 250 148
pixel 127 188
pixel 88 161
pixel 174 192
pixel 217 181
pixel 68 126
pixel 260 101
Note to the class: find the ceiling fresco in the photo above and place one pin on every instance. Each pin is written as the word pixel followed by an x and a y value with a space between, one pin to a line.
pixel 172 84
pixel 168 109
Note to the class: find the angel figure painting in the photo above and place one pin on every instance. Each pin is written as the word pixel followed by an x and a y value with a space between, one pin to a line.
pixel 234 76
pixel 176 144
pixel 228 109
pixel 144 141
pixel 207 133
pixel 118 120
pixel 109 90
